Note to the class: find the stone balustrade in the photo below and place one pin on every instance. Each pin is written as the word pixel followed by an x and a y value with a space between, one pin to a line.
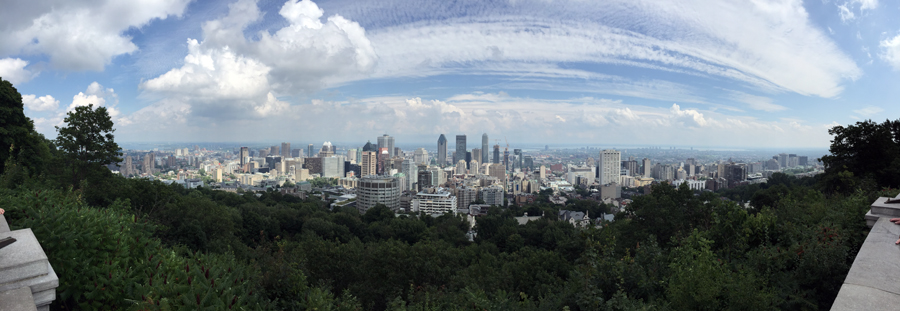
pixel 27 281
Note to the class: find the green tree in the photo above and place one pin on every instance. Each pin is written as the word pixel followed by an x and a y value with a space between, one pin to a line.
pixel 868 150
pixel 87 141
pixel 18 139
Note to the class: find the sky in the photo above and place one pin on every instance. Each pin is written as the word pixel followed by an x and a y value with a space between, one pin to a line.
pixel 749 74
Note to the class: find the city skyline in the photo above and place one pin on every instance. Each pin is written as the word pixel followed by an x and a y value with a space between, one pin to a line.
pixel 719 74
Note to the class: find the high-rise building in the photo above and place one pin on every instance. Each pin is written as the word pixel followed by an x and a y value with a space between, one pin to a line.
pixel 372 190
pixel 529 163
pixel 274 150
pixel 506 159
pixel 442 151
pixel 423 179
pixel 327 150
pixel 803 160
pixel 496 154
pixel 492 195
pixel 735 174
pixel 484 148
pixel 411 174
pixel 387 141
pixel 420 156
pixel 128 168
pixel 434 202
pixel 285 150
pixel 332 167
pixel 309 151
pixel 351 154
pixel 631 166
pixel 783 160
pixel 368 163
pixel 460 167
pixel 646 167
pixel 460 148
pixel 263 153
pixel 149 165
pixel 383 166
pixel 476 155
pixel 610 162
pixel 519 159
pixel 245 157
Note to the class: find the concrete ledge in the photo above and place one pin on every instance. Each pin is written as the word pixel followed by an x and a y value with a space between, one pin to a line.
pixel 872 282
pixel 37 284
pixel 24 259
pixel 44 298
pixel 17 300
pixel 4 226
pixel 884 209
pixel 871 219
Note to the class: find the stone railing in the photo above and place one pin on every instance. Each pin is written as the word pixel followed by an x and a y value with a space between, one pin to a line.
pixel 27 281
pixel 873 282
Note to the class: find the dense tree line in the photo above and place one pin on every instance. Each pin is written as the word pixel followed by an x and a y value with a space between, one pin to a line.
pixel 120 243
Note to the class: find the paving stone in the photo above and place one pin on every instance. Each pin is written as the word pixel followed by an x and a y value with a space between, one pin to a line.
pixel 855 297
pixel 19 299
pixel 23 259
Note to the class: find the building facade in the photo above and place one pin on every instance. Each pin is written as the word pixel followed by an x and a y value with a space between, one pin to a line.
pixel 373 190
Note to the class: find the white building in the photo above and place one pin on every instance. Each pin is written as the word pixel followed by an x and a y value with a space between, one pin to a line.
pixel 372 190
pixel 610 162
pixel 411 173
pixel 434 201
pixel 420 156
pixel 583 173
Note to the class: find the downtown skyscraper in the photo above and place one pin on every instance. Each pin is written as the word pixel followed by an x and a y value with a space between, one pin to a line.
pixel 460 148
pixel 484 148
pixel 442 151
pixel 387 142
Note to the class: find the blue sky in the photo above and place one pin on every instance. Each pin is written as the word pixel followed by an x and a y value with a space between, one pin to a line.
pixel 689 73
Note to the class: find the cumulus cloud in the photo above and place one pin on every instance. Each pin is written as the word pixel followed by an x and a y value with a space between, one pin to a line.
pixel 98 96
pixel 890 49
pixel 43 103
pixel 78 35
pixel 226 76
pixel 688 117
pixel 13 70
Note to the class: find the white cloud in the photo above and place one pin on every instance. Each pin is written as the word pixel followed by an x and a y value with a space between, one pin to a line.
pixel 13 70
pixel 42 103
pixel 867 4
pixel 891 51
pixel 519 119
pixel 765 44
pixel 78 35
pixel 689 117
pixel 846 13
pixel 756 102
pixel 98 96
pixel 226 76
pixel 869 111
